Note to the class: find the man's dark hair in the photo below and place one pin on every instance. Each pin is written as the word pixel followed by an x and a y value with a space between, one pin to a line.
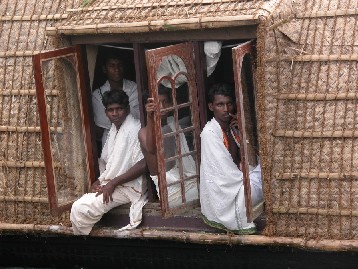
pixel 115 97
pixel 109 56
pixel 162 90
pixel 224 89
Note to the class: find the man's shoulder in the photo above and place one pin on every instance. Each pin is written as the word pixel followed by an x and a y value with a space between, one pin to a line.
pixel 210 126
pixel 133 124
pixel 129 84
pixel 97 92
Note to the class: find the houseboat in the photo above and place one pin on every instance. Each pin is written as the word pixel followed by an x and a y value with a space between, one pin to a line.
pixel 294 67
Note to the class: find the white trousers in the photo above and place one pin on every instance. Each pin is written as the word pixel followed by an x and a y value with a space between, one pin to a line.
pixel 89 209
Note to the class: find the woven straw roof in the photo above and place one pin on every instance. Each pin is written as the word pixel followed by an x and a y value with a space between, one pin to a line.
pixel 111 16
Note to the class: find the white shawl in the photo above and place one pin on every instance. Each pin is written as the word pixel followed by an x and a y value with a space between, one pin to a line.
pixel 120 153
pixel 221 182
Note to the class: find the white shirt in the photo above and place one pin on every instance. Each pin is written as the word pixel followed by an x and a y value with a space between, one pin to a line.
pixel 100 117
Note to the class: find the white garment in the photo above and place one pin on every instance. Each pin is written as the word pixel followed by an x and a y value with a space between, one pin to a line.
pixel 212 50
pixel 189 169
pixel 171 65
pixel 120 153
pixel 222 196
pixel 174 191
pixel 100 117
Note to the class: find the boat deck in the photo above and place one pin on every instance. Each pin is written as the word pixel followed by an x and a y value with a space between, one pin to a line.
pixel 187 220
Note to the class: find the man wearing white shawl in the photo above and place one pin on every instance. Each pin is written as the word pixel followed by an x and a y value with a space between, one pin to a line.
pixel 149 149
pixel 113 68
pixel 221 180
pixel 121 165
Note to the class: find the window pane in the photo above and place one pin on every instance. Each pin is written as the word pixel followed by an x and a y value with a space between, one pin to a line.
pixel 171 66
pixel 184 117
pixel 182 92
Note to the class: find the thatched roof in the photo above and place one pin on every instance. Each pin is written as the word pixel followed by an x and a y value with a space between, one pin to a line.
pixel 128 16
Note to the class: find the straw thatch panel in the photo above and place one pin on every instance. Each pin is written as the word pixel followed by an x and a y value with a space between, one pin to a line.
pixel 112 16
pixel 23 190
pixel 308 82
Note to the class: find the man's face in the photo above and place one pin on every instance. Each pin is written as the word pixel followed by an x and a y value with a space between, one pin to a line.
pixel 117 114
pixel 114 70
pixel 222 106
pixel 164 102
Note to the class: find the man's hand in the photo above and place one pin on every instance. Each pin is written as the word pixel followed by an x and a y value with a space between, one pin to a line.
pixel 107 191
pixel 234 124
pixel 150 106
pixel 95 186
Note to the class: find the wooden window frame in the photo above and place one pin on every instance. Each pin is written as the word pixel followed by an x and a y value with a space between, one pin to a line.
pixel 153 58
pixel 238 54
pixel 86 114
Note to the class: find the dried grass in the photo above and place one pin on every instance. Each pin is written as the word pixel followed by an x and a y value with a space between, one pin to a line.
pixel 311 155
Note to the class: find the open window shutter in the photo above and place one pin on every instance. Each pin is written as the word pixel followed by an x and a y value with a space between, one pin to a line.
pixel 65 126
pixel 243 59
pixel 177 141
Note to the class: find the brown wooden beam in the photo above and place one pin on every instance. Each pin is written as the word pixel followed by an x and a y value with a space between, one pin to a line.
pixel 228 33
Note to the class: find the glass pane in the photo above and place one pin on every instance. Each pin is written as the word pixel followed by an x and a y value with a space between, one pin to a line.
pixel 184 117
pixel 191 189
pixel 165 100
pixel 179 168
pixel 182 92
pixel 171 66
pixel 188 142
pixel 64 118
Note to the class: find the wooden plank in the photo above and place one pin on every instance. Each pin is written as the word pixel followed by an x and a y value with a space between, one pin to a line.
pixel 316 134
pixel 313 58
pixel 144 5
pixel 316 211
pixel 45 131
pixel 227 33
pixel 328 13
pixel 201 82
pixel 27 92
pixel 25 53
pixel 30 164
pixel 317 175
pixel 34 17
pixel 150 26
pixel 25 199
pixel 28 129
pixel 227 239
pixel 317 96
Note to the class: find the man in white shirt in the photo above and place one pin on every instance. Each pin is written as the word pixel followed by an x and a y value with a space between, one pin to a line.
pixel 113 68
pixel 222 196
pixel 122 166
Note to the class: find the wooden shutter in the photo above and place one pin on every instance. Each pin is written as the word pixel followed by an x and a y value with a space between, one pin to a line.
pixel 243 58
pixel 63 104
pixel 185 131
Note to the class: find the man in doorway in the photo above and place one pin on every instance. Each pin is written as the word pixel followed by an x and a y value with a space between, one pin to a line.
pixel 149 149
pixel 121 168
pixel 113 68
pixel 221 180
